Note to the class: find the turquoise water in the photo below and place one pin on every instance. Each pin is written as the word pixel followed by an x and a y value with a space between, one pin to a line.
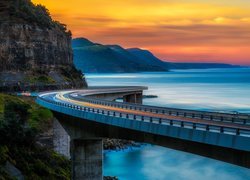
pixel 214 89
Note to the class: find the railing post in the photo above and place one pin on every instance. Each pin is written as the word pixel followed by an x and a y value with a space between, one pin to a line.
pixel 114 113
pixel 160 120
pixel 171 122
pixel 221 129
pixel 237 131
pixel 134 116
pixel 207 127
pixel 151 119
pixel 182 124
pixel 194 126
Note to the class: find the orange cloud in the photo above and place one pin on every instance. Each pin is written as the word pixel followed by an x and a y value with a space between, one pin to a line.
pixel 179 30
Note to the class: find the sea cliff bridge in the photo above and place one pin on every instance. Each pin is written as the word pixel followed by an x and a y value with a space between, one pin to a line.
pixel 88 115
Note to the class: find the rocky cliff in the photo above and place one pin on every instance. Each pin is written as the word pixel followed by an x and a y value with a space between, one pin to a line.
pixel 35 51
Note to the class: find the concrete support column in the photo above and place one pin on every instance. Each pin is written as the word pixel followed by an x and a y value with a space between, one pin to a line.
pixel 87 158
pixel 61 139
pixel 139 98
pixel 129 98
pixel 133 98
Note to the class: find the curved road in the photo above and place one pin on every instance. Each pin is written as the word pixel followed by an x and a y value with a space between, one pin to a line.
pixel 82 99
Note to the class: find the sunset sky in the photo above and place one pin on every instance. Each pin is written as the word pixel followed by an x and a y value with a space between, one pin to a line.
pixel 174 30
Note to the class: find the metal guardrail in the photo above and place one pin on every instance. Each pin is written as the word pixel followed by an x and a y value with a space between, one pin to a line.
pixel 213 116
pixel 163 121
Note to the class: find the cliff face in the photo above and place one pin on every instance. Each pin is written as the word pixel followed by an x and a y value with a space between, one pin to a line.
pixel 25 47
pixel 35 51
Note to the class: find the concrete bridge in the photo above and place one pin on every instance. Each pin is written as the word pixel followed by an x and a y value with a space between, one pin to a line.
pixel 89 115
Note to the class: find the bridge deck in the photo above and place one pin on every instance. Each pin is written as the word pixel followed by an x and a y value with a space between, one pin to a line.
pixel 141 113
pixel 221 123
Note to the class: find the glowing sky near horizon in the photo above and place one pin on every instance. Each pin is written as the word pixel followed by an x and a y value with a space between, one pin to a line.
pixel 174 30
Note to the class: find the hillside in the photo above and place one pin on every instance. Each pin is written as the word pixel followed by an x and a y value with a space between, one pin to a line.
pixel 146 57
pixel 92 57
pixel 149 58
pixel 36 52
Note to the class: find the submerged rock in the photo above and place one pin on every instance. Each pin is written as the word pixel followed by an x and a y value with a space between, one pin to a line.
pixel 119 144
pixel 110 178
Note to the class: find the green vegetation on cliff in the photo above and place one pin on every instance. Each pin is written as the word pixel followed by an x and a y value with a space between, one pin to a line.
pixel 21 121
pixel 26 11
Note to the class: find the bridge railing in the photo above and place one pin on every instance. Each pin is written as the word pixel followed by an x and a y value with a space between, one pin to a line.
pixel 149 119
pixel 212 116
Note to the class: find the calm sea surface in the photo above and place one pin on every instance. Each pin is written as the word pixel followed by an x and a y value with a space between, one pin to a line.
pixel 213 90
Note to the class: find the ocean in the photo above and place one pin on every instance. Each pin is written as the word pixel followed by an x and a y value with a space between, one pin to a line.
pixel 223 90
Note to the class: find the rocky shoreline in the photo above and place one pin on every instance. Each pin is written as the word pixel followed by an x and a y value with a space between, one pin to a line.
pixel 119 144
pixel 110 178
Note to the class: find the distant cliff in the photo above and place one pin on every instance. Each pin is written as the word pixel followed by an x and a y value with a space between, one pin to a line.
pixel 93 57
pixel 35 51
pixel 147 57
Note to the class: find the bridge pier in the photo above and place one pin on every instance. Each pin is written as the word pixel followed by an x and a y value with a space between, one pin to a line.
pixel 61 139
pixel 87 159
pixel 133 98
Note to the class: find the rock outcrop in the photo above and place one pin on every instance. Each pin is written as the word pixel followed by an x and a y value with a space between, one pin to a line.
pixel 35 51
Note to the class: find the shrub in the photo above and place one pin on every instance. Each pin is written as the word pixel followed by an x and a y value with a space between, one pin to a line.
pixel 35 14
pixel 22 120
